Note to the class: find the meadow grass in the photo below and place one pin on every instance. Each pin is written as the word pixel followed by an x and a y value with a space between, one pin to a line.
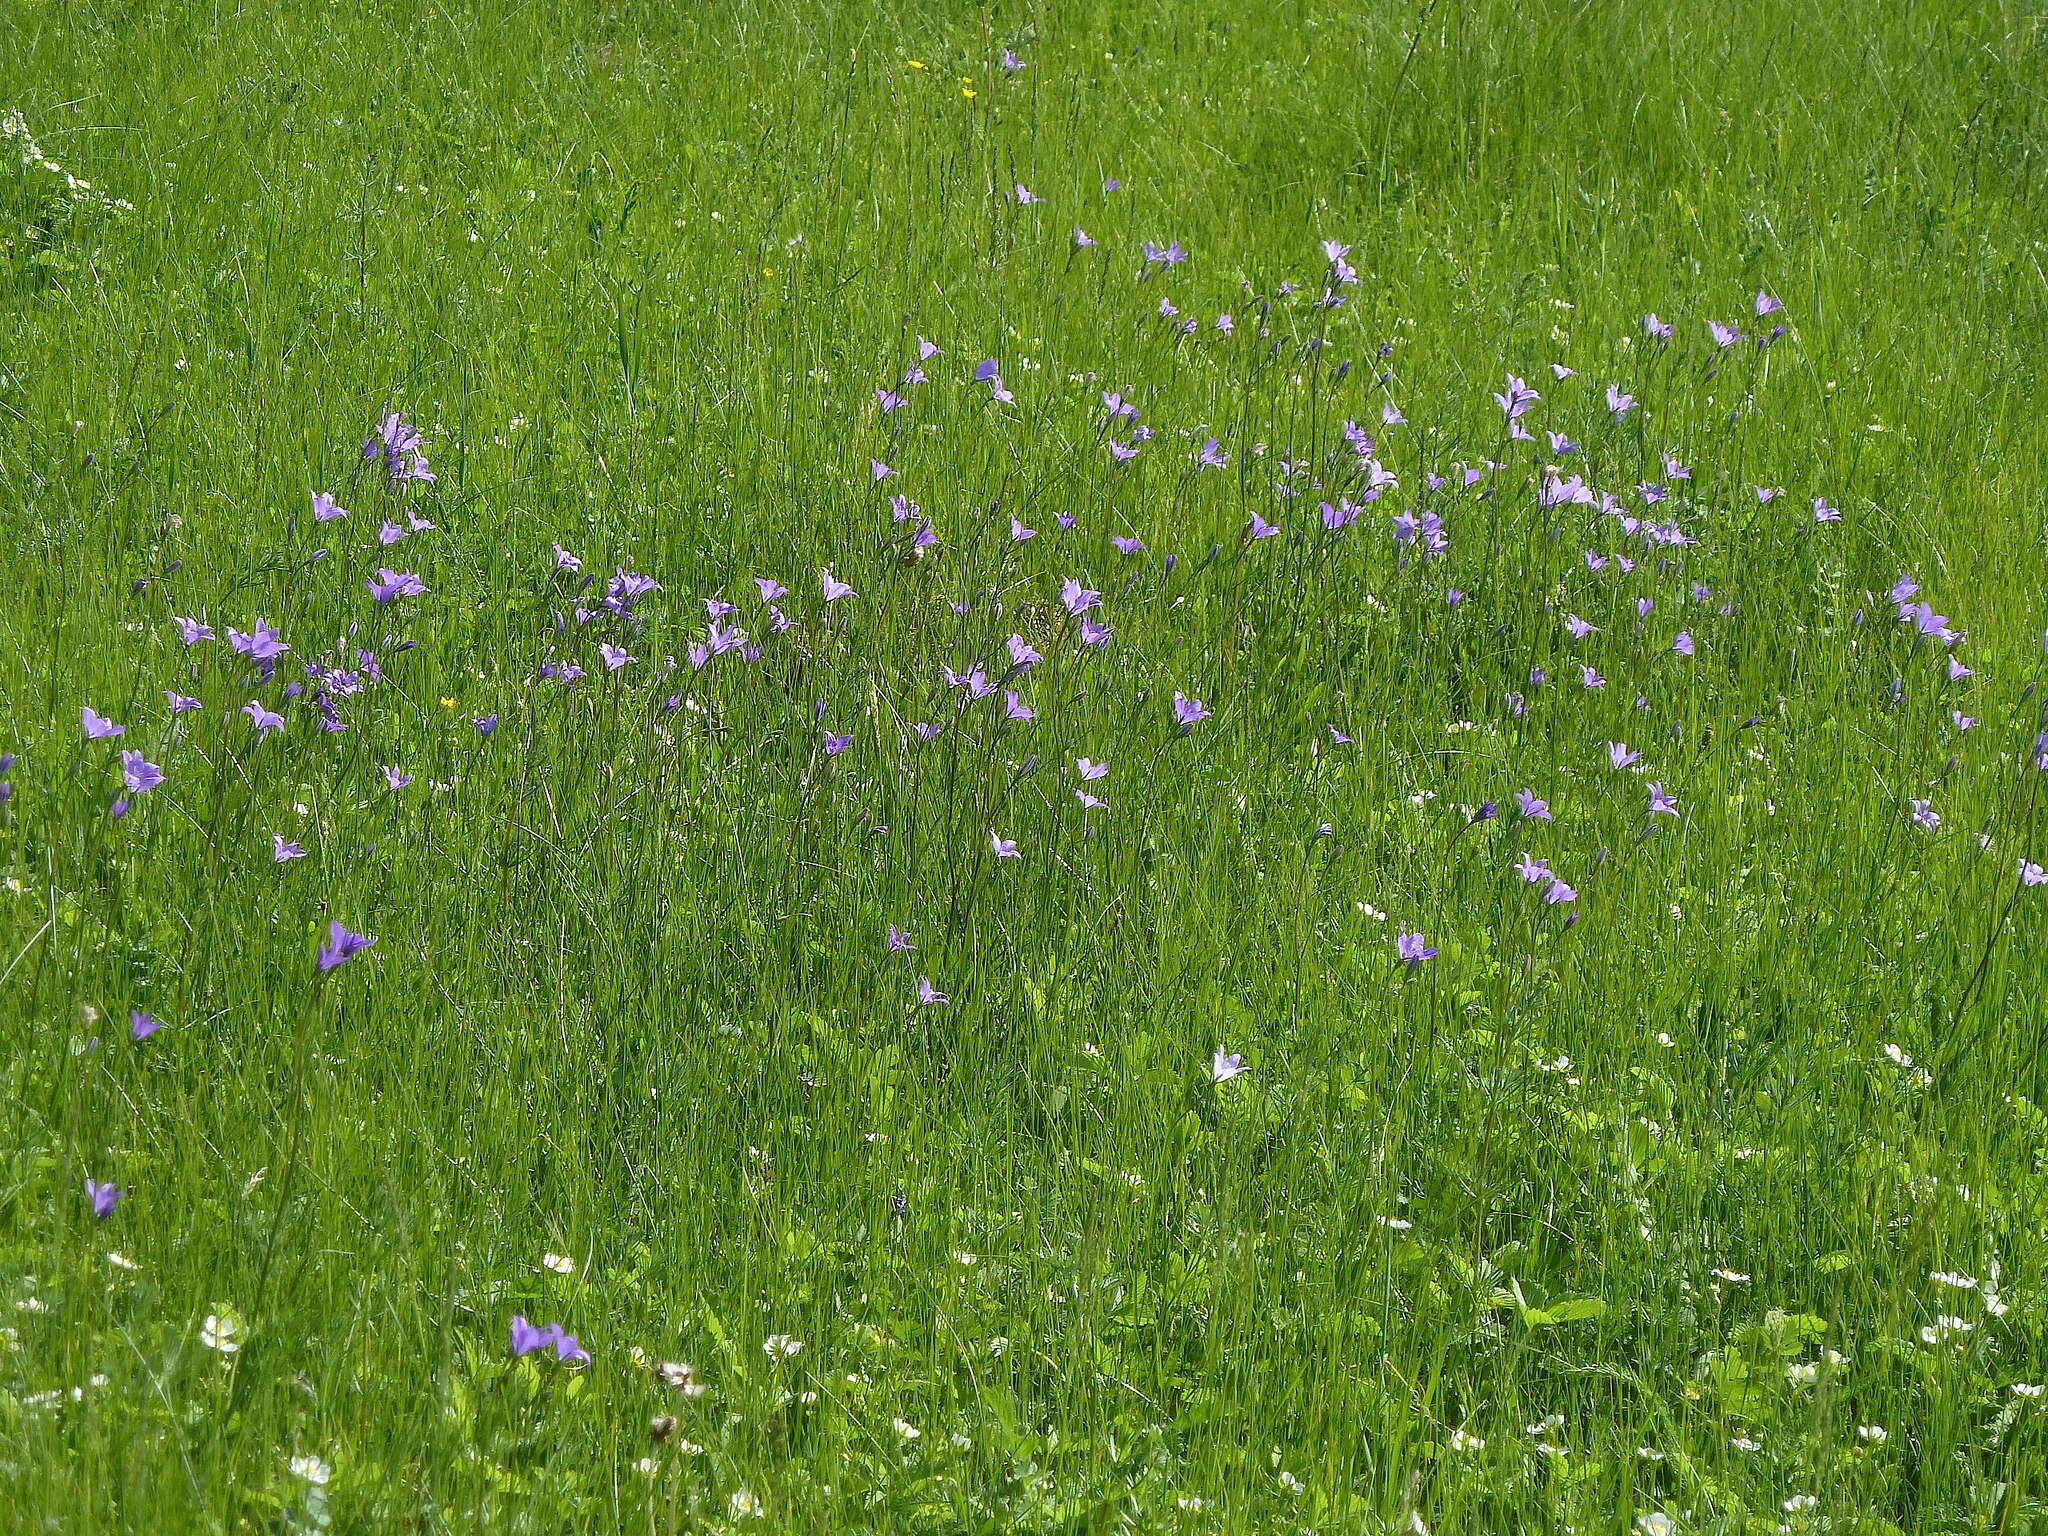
pixel 1690 1182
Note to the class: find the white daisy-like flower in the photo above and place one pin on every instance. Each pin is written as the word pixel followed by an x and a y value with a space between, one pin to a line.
pixel 560 1263
pixel 221 1331
pixel 312 1469
pixel 780 1346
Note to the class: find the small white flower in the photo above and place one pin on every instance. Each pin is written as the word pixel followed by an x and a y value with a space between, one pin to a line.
pixel 1193 1506
pixel 560 1263
pixel 1799 1503
pixel 1943 1326
pixel 745 1506
pixel 780 1346
pixel 121 1261
pixel 1395 1223
pixel 1744 1443
pixel 2028 1389
pixel 1802 1373
pixel 1876 1434
pixel 1656 1523
pixel 312 1469
pixel 647 1466
pixel 1462 1441
pixel 1225 1065
pixel 681 1377
pixel 1732 1276
pixel 1291 1483
pixel 221 1332
pixel 1953 1280
pixel 905 1428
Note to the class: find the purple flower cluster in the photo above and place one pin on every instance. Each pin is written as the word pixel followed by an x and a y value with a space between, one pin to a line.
pixel 526 1339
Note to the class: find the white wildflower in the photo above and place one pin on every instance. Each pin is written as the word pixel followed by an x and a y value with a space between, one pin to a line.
pixel 1943 1326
